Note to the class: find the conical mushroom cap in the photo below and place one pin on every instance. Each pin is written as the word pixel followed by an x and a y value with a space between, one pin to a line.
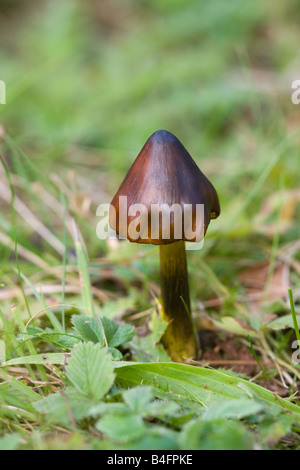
pixel 163 175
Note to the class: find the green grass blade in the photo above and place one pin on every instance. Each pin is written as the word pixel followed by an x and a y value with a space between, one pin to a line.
pixel 48 358
pixel 64 261
pixel 52 318
pixel 294 315
pixel 197 384
pixel 83 273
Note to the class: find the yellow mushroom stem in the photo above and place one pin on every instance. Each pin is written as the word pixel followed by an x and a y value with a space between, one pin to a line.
pixel 179 338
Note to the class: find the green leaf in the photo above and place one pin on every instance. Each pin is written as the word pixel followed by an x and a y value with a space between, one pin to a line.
pixel 139 401
pixel 89 328
pixel 271 430
pixel 148 348
pixel 157 326
pixel 276 307
pixel 117 334
pixel 197 385
pixel 233 408
pixel 59 340
pixel 138 398
pixel 156 438
pixel 122 426
pixel 34 331
pixel 115 354
pixel 63 407
pixel 204 435
pixel 104 408
pixel 102 330
pixel 233 326
pixel 162 408
pixel 281 323
pixel 10 442
pixel 90 369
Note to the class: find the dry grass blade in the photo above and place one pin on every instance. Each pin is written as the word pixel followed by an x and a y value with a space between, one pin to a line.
pixel 24 252
pixel 10 293
pixel 31 219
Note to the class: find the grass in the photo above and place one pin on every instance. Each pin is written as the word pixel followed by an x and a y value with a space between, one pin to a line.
pixel 87 83
pixel 294 315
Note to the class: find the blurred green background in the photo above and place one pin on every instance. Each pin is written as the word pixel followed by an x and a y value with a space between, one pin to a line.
pixel 89 81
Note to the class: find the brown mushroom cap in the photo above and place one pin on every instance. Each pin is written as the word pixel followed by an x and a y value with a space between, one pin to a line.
pixel 164 173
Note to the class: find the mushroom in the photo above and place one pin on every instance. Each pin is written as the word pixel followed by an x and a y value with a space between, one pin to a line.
pixel 165 187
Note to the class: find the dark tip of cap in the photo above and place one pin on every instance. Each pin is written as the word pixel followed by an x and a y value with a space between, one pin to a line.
pixel 162 137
